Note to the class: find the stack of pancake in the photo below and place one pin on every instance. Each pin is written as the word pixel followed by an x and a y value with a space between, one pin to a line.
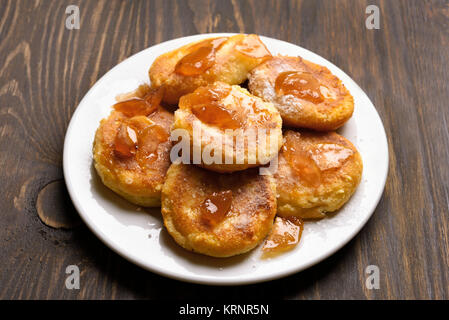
pixel 261 156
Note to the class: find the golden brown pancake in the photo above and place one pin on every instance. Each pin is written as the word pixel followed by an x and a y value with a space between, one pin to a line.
pixel 306 94
pixel 132 150
pixel 215 214
pixel 227 59
pixel 226 115
pixel 317 173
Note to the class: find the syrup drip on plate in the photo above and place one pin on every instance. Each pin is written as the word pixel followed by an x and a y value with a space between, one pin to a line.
pixel 285 235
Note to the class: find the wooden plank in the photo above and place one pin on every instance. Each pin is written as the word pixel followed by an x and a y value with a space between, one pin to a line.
pixel 46 69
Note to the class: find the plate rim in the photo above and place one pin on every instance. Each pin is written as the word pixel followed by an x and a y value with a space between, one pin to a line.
pixel 198 279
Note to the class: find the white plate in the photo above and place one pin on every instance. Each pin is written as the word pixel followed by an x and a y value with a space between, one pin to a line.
pixel 138 234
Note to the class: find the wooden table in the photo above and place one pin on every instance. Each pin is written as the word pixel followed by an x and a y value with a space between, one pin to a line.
pixel 45 70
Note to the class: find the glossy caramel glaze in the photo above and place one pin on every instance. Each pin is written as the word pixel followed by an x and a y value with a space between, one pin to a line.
pixel 231 122
pixel 125 144
pixel 300 161
pixel 302 85
pixel 218 116
pixel 215 105
pixel 199 58
pixel 138 136
pixel 144 105
pixel 284 236
pixel 215 207
pixel 206 104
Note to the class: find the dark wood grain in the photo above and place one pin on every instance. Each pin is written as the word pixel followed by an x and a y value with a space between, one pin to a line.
pixel 46 69
pixel 54 207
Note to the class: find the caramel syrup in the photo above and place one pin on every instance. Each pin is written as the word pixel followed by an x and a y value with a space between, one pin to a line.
pixel 215 207
pixel 141 106
pixel 302 85
pixel 217 115
pixel 301 161
pixel 149 140
pixel 284 236
pixel 206 105
pixel 201 57
pixel 125 144
pixel 139 137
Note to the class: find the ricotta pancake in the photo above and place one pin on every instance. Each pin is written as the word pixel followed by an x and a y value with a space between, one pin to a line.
pixel 132 149
pixel 215 214
pixel 236 129
pixel 306 94
pixel 317 173
pixel 227 59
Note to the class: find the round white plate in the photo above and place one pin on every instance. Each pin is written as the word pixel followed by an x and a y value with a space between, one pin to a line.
pixel 138 234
